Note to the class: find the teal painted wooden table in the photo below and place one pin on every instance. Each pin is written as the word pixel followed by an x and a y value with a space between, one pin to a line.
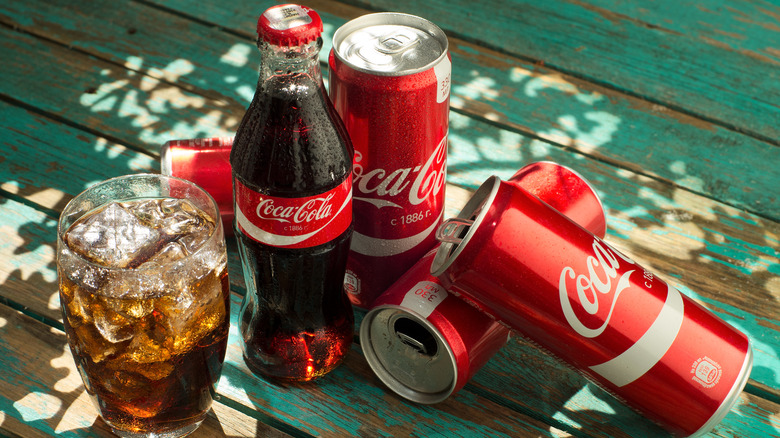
pixel 670 108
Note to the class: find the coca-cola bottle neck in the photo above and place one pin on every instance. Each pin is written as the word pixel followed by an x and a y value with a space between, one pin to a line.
pixel 290 60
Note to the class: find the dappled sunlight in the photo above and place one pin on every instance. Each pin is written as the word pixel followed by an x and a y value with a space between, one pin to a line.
pixel 38 406
pixel 145 99
pixel 35 262
pixel 773 283
pixel 585 398
pixel 536 83
pixel 239 56
pixel 475 145
pixel 76 416
pixel 234 390
pixel 677 196
pixel 71 381
pixel 684 179
pixel 478 87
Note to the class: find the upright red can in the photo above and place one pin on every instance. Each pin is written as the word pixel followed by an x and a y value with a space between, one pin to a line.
pixel 521 261
pixel 390 82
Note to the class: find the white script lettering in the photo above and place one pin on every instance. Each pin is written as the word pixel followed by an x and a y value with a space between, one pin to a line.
pixel 597 283
pixel 310 211
pixel 379 182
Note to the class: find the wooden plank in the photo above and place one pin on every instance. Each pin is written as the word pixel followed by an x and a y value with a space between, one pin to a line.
pixel 345 402
pixel 122 105
pixel 611 43
pixel 41 393
pixel 654 217
pixel 722 257
pixel 666 228
pixel 37 153
pixel 569 398
pixel 30 230
pixel 52 399
pixel 556 385
pixel 350 401
pixel 628 132
pixel 725 258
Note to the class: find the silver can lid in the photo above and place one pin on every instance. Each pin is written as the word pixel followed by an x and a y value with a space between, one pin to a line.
pixel 408 354
pixel 390 44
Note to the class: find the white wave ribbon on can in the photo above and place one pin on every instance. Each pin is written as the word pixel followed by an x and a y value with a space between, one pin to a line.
pixel 377 247
pixel 650 348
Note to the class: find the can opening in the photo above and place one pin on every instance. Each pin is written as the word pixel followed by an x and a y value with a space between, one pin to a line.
pixel 413 334
pixel 409 354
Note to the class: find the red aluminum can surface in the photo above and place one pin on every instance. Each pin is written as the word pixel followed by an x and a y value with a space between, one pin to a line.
pixel 390 82
pixel 424 345
pixel 575 296
pixel 206 162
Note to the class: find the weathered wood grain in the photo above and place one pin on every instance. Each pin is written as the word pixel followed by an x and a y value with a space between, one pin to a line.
pixel 350 401
pixel 626 131
pixel 555 388
pixel 519 376
pixel 119 103
pixel 38 153
pixel 149 71
pixel 713 249
pixel 41 393
pixel 614 44
pixel 345 402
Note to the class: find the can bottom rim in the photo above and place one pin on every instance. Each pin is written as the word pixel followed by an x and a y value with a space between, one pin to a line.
pixel 731 398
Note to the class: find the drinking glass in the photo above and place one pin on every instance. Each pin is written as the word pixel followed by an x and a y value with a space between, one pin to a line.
pixel 144 293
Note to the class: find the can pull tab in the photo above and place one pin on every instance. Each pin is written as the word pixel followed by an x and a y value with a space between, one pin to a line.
pixel 412 342
pixel 452 230
pixel 414 335
pixel 396 43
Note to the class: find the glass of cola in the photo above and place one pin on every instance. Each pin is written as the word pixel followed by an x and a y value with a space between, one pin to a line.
pixel 144 292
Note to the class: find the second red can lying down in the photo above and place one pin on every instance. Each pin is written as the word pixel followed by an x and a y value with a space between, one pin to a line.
pixel 425 345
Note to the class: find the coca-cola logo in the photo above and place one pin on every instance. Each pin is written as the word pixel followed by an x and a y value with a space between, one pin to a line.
pixel 300 222
pixel 310 211
pixel 593 288
pixel 378 183
pixel 599 289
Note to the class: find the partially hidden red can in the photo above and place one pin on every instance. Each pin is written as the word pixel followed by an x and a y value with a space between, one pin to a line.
pixel 566 191
pixel 206 162
pixel 425 345
pixel 390 82
pixel 572 294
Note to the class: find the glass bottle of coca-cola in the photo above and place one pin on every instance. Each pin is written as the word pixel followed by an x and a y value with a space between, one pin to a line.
pixel 292 164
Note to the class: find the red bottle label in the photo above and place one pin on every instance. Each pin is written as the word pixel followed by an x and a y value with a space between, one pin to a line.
pixel 294 222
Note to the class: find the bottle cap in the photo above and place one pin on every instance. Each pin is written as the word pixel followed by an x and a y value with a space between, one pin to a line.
pixel 289 25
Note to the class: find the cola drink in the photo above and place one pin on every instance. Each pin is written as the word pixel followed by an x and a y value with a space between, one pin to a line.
pixel 292 180
pixel 145 301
